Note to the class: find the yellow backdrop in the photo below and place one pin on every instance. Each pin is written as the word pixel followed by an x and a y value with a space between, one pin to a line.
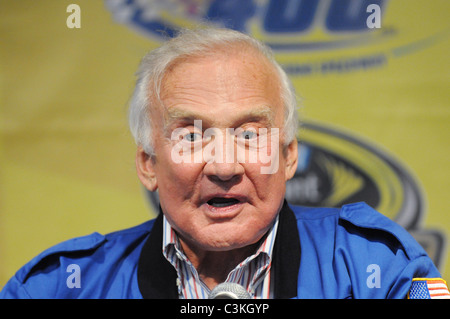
pixel 67 159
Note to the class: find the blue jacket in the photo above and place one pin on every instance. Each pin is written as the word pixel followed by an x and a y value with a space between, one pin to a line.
pixel 352 252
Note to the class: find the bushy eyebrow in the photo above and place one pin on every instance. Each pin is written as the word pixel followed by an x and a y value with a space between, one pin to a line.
pixel 175 114
pixel 262 114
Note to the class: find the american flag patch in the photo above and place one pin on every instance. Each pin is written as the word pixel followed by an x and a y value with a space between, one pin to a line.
pixel 428 288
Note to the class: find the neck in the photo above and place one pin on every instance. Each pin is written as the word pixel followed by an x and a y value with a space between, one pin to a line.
pixel 213 267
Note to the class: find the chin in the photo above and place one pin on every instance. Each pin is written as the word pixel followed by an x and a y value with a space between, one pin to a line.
pixel 226 241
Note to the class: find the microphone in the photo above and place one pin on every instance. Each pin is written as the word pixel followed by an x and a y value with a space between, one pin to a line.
pixel 229 290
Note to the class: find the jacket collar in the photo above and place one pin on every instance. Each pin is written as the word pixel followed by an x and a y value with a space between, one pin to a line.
pixel 157 277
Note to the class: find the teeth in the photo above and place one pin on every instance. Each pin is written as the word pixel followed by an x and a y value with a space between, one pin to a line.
pixel 222 202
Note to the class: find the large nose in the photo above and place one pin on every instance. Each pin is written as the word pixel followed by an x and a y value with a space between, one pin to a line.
pixel 221 163
pixel 224 172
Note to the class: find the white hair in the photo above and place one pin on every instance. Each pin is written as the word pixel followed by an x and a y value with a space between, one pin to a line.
pixel 196 43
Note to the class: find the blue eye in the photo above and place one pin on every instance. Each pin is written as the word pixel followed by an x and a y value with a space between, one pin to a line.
pixel 248 135
pixel 192 137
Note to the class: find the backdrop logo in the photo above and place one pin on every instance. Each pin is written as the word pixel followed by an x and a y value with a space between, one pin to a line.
pixel 281 24
pixel 288 26
pixel 336 168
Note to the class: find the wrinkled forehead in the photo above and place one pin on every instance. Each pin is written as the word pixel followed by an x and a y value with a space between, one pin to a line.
pixel 229 76
pixel 236 62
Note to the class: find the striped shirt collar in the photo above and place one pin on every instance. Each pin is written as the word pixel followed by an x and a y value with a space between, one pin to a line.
pixel 253 273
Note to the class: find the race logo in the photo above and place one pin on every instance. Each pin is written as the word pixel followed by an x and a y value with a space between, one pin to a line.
pixel 336 168
pixel 287 26
pixel 290 24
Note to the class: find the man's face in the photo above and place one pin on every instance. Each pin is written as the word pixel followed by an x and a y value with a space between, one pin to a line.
pixel 213 204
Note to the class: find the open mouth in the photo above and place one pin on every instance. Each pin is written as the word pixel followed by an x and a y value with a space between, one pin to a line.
pixel 222 202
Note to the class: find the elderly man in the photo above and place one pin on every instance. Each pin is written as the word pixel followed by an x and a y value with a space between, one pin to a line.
pixel 214 118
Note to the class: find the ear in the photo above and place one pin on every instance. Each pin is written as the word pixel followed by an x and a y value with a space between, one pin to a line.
pixel 291 154
pixel 145 167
